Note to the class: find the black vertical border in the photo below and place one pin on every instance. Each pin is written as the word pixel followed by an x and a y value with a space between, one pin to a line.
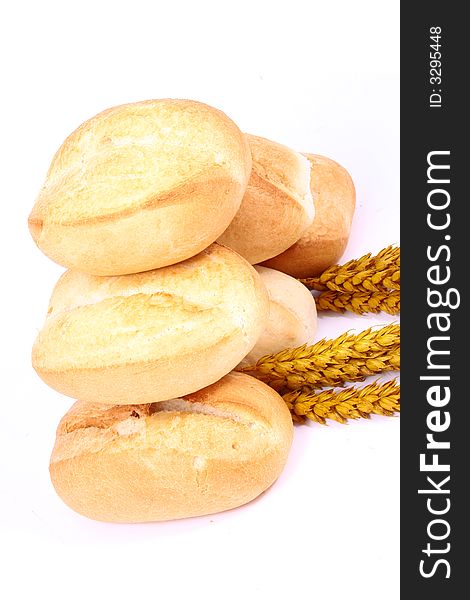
pixel 425 129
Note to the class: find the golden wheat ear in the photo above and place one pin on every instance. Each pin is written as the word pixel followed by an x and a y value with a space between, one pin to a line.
pixel 349 403
pixel 366 274
pixel 349 357
pixel 360 302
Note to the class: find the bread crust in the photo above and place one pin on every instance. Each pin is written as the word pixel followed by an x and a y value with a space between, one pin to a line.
pixel 208 452
pixel 325 241
pixel 170 172
pixel 277 206
pixel 133 338
pixel 292 317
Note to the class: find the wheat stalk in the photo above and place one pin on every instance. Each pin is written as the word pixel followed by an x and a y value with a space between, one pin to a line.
pixel 360 302
pixel 331 362
pixel 349 403
pixel 366 274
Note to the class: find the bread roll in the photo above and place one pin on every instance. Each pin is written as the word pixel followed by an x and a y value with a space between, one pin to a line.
pixel 141 186
pixel 292 316
pixel 324 242
pixel 208 452
pixel 151 336
pixel 277 206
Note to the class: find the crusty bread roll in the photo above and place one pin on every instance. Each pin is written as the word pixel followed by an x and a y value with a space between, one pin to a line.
pixel 277 206
pixel 141 186
pixel 208 452
pixel 292 316
pixel 154 335
pixel 324 242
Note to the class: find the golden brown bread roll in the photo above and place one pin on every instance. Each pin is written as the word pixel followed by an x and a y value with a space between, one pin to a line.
pixel 208 452
pixel 151 336
pixel 324 242
pixel 141 186
pixel 292 317
pixel 277 206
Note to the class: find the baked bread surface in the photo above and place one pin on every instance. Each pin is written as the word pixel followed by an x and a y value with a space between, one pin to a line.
pixel 292 317
pixel 325 241
pixel 277 206
pixel 151 336
pixel 141 186
pixel 207 452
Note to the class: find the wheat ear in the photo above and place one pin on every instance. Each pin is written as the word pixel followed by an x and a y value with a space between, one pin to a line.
pixel 360 302
pixel 350 357
pixel 366 274
pixel 349 403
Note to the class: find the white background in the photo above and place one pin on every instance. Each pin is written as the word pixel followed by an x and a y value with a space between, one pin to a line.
pixel 319 76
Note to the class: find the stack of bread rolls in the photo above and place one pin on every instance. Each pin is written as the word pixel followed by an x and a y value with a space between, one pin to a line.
pixel 158 210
